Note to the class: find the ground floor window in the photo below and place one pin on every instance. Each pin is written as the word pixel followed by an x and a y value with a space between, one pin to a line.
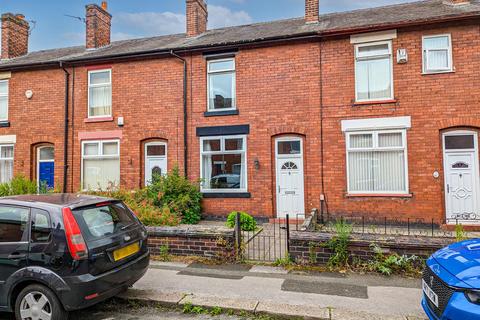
pixel 377 162
pixel 6 163
pixel 100 165
pixel 223 164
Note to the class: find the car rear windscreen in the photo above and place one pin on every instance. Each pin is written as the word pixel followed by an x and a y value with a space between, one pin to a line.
pixel 104 220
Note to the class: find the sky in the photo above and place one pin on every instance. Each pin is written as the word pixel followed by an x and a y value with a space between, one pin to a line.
pixel 143 18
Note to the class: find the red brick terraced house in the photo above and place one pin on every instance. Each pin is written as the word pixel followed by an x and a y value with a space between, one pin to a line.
pixel 371 112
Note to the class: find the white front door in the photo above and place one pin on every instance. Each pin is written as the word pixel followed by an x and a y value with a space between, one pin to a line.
pixel 289 172
pixel 155 160
pixel 461 177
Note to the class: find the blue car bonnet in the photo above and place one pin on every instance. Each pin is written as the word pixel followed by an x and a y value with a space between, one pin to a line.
pixel 462 260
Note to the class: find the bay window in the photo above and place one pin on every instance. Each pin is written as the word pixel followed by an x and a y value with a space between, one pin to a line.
pixel 6 163
pixel 377 162
pixel 3 100
pixel 373 71
pixel 223 164
pixel 221 85
pixel 437 53
pixel 100 165
pixel 100 93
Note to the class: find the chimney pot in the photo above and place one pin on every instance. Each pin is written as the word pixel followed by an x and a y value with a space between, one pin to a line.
pixel 98 22
pixel 312 11
pixel 197 17
pixel 15 33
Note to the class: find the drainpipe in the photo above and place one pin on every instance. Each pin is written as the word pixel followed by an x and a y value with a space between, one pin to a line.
pixel 65 139
pixel 323 200
pixel 185 127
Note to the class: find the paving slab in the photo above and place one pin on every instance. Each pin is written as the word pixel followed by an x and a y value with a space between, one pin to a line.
pixel 164 298
pixel 168 264
pixel 288 310
pixel 268 269
pixel 217 301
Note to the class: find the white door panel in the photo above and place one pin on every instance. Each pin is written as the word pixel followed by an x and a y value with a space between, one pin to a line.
pixel 154 165
pixel 290 185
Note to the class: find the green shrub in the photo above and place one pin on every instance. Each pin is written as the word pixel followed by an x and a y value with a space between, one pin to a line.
pixel 339 245
pixel 392 263
pixel 247 222
pixel 460 233
pixel 18 185
pixel 178 194
pixel 143 207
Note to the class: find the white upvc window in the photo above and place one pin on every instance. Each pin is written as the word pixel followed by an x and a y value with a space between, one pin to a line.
pixel 373 71
pixel 437 53
pixel 221 84
pixel 100 93
pixel 6 163
pixel 100 165
pixel 223 163
pixel 377 162
pixel 3 100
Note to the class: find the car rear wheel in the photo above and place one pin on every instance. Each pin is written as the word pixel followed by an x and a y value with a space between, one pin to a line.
pixel 37 302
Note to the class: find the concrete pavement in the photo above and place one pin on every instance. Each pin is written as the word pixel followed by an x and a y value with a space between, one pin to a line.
pixel 274 291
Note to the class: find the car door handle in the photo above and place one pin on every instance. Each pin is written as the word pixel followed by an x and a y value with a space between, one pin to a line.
pixel 16 256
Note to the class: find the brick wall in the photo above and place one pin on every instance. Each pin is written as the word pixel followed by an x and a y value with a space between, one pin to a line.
pixel 216 243
pixel 278 94
pixel 307 247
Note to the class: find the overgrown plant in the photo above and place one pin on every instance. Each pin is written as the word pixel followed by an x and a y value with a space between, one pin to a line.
pixel 460 233
pixel 178 194
pixel 19 185
pixel 339 244
pixel 391 263
pixel 247 222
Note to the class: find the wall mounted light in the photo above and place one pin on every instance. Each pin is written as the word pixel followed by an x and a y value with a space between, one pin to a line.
pixel 29 94
pixel 256 164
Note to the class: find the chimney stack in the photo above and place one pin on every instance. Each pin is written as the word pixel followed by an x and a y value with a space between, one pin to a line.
pixel 197 17
pixel 98 22
pixel 15 32
pixel 312 11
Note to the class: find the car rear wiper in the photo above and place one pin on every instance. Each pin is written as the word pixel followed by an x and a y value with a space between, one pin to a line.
pixel 127 226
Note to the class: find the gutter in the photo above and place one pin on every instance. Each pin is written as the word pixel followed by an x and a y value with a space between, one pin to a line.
pixel 185 115
pixel 65 138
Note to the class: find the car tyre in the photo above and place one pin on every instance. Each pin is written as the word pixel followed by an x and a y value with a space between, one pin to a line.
pixel 37 301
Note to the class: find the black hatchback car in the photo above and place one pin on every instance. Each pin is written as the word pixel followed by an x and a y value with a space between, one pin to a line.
pixel 64 252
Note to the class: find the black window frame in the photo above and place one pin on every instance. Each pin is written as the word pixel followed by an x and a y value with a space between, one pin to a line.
pixel 49 218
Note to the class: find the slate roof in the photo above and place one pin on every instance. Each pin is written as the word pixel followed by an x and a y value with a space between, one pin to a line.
pixel 342 22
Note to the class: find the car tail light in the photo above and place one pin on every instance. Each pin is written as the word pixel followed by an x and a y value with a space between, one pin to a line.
pixel 76 243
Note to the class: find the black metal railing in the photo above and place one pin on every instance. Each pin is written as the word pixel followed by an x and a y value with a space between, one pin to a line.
pixel 393 226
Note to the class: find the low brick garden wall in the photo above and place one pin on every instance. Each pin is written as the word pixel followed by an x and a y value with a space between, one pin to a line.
pixel 193 240
pixel 306 247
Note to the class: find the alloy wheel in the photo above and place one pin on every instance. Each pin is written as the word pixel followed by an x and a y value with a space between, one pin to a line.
pixel 35 306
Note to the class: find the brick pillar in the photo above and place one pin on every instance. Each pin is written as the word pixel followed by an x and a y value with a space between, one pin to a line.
pixel 15 32
pixel 197 17
pixel 98 22
pixel 312 10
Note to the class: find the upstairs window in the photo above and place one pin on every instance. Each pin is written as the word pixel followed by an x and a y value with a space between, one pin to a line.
pixel 373 71
pixel 3 100
pixel 100 93
pixel 221 85
pixel 437 54
pixel 100 165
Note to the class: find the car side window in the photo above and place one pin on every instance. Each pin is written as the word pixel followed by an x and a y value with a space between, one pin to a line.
pixel 41 229
pixel 13 224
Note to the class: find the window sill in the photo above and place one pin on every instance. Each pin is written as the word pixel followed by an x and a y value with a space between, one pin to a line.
pixel 379 195
pixel 429 73
pixel 4 124
pixel 367 103
pixel 221 113
pixel 99 119
pixel 227 195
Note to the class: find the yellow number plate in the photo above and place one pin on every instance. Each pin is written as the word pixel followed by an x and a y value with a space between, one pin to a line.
pixel 126 251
